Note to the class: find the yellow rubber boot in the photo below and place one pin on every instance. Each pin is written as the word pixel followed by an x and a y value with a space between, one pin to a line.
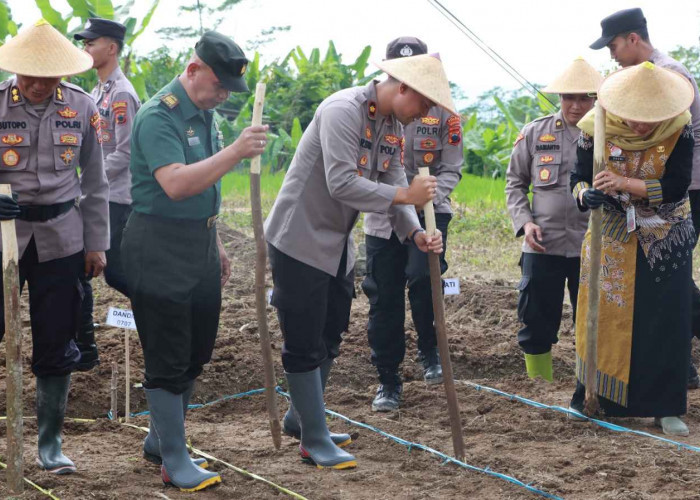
pixel 539 365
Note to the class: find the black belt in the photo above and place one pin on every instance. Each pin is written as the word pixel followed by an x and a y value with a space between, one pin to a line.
pixel 42 213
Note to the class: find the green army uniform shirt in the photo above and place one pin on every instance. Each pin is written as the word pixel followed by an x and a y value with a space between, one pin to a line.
pixel 169 129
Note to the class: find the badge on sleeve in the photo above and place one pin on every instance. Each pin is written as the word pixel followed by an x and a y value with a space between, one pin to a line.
pixel 95 123
pixel 67 156
pixel 119 109
pixel 518 139
pixel 545 174
pixel 10 157
pixel 430 120
pixel 454 130
pixel 547 138
pixel 67 112
pixel 12 139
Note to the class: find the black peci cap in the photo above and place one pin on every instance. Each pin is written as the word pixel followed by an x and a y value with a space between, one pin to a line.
pixel 405 46
pixel 97 27
pixel 619 22
pixel 225 58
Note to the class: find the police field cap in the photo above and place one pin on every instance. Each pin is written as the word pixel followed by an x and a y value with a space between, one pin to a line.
pixel 42 51
pixel 405 46
pixel 646 93
pixel 619 22
pixel 579 77
pixel 225 58
pixel 95 27
pixel 424 74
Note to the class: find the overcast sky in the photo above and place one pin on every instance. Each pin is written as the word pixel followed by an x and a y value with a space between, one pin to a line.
pixel 538 38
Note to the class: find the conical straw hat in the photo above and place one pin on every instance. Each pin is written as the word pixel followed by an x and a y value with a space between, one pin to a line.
pixel 646 93
pixel 424 74
pixel 42 51
pixel 578 78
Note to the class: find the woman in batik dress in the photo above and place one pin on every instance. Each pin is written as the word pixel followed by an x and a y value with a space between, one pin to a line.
pixel 644 305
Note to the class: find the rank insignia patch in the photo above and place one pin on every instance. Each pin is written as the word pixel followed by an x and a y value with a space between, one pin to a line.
pixel 518 139
pixel 67 156
pixel 363 160
pixel 546 159
pixel 15 94
pixel 559 124
pixel 59 94
pixel 392 139
pixel 10 158
pixel 118 105
pixel 190 132
pixel 453 121
pixel 428 158
pixel 428 144
pixel 385 165
pixel 660 149
pixel 170 100
pixel 368 133
pixel 68 139
pixel 430 120
pixel 545 174
pixel 12 139
pixel 67 112
pixel 547 138
pixel 372 109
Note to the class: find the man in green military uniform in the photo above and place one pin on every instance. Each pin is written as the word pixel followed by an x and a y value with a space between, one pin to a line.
pixel 174 261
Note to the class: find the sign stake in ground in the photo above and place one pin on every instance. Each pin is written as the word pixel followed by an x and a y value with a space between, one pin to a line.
pixel 13 356
pixel 591 403
pixel 441 331
pixel 260 265
pixel 127 378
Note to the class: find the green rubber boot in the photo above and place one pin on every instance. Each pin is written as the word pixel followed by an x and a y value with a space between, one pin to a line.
pixel 539 365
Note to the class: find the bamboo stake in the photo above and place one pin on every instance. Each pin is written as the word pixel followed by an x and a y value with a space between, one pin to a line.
pixel 260 265
pixel 441 331
pixel 127 377
pixel 591 404
pixel 13 356
pixel 113 390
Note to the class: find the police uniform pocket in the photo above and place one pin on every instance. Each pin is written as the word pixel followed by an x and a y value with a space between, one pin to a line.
pixel 14 150
pixel 546 169
pixel 523 298
pixel 194 153
pixel 427 151
pixel 66 149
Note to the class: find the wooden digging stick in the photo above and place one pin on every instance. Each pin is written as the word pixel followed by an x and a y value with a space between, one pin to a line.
pixel 260 265
pixel 13 356
pixel 591 402
pixel 441 331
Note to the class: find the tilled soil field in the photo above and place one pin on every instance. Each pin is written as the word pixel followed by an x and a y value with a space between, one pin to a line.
pixel 537 446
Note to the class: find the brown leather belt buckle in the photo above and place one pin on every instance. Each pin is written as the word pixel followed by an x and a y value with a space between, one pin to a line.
pixel 211 221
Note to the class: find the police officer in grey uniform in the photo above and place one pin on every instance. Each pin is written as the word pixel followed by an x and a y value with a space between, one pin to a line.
pixel 48 129
pixel 348 161
pixel 117 104
pixel 543 157
pixel 626 35
pixel 433 141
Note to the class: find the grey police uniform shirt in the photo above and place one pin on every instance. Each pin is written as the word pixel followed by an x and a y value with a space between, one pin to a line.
pixel 434 141
pixel 347 161
pixel 544 154
pixel 117 104
pixel 40 157
pixel 663 60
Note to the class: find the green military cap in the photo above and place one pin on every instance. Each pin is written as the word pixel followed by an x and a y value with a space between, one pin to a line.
pixel 225 58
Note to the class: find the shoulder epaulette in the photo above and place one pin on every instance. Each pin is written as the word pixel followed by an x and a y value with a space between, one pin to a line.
pixel 71 86
pixel 170 100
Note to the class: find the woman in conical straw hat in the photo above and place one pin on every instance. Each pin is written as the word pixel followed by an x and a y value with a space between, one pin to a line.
pixel 51 128
pixel 644 307
pixel 543 156
pixel 348 160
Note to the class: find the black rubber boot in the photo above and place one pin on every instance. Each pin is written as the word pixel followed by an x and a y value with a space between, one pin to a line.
pixel 388 396
pixel 168 420
pixel 51 398
pixel 432 370
pixel 290 423
pixel 151 445
pixel 316 444
pixel 85 340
